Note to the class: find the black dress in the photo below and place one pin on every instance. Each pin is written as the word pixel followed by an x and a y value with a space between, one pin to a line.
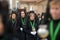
pixel 13 29
pixel 29 29
pixel 22 24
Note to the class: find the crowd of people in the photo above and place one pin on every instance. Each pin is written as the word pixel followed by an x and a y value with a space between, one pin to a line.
pixel 23 25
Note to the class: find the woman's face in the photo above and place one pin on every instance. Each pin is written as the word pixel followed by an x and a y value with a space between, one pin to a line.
pixel 32 16
pixel 22 14
pixel 55 12
pixel 13 16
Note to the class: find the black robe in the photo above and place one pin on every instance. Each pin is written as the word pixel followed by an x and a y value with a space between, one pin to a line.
pixel 22 33
pixel 29 29
pixel 4 37
pixel 13 29
pixel 55 23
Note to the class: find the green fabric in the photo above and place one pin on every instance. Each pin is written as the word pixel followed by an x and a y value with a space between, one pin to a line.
pixel 53 35
pixel 23 21
pixel 32 24
pixel 13 21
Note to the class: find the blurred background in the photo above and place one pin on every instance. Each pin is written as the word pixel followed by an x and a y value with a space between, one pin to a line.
pixel 39 6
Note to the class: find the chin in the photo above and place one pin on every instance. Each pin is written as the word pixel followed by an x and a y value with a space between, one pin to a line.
pixel 55 18
pixel 22 17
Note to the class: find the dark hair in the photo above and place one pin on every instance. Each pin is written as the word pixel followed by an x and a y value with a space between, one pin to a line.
pixel 21 11
pixel 48 10
pixel 47 14
pixel 13 13
pixel 31 12
pixel 36 17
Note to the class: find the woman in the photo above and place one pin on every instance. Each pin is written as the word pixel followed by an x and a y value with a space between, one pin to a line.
pixel 32 26
pixel 13 28
pixel 22 23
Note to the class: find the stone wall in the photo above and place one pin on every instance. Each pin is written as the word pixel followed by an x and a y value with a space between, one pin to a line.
pixel 37 7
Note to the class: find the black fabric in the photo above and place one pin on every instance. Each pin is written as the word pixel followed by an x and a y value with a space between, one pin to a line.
pixel 22 33
pixel 13 29
pixel 54 26
pixel 29 36
pixel 4 37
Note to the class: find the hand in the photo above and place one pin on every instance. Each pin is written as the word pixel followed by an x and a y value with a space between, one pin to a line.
pixel 21 29
pixel 33 33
